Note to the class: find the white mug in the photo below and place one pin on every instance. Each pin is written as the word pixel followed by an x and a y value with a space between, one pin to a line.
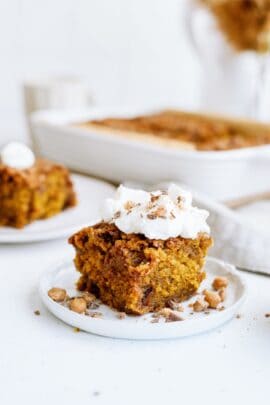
pixel 59 93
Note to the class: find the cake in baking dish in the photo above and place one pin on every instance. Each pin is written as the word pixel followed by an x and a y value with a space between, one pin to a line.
pixel 183 130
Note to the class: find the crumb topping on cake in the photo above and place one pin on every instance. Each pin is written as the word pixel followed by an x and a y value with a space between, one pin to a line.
pixel 181 129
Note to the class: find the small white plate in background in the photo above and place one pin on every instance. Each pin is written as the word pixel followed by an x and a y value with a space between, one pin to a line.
pixel 90 192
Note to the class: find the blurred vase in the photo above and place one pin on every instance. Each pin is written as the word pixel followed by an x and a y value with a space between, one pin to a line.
pixel 233 82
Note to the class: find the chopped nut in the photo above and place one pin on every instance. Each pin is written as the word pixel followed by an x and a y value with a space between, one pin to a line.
pixel 199 305
pixel 154 198
pixel 88 298
pixel 238 316
pixel 37 312
pixel 129 205
pixel 76 330
pixel 77 305
pixel 169 315
pixel 212 298
pixel 117 215
pixel 121 315
pixel 93 305
pixel 220 282
pixel 176 306
pixel 151 216
pixel 222 293
pixel 57 294
pixel 180 201
pixel 160 212
pixel 96 314
pixel 267 315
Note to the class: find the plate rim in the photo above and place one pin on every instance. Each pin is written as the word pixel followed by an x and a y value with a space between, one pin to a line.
pixel 74 318
pixel 63 232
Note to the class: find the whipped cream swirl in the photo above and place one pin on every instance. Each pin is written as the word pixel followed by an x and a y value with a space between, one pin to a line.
pixel 157 215
pixel 17 155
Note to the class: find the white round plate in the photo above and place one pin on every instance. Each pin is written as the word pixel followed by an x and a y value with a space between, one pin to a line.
pixel 90 192
pixel 140 327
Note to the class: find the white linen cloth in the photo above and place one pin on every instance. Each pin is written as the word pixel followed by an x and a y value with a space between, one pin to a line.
pixel 236 239
pixel 240 237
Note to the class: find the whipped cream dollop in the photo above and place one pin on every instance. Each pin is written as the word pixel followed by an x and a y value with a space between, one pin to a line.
pixel 17 155
pixel 157 214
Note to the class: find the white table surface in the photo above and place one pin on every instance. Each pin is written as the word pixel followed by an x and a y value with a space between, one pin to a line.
pixel 43 361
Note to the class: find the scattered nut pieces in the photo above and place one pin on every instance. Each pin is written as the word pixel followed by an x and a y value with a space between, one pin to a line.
pixel 95 314
pixel 57 294
pixel 88 298
pixel 155 320
pixel 37 312
pixel 117 215
pixel 220 282
pixel 76 330
pixel 222 293
pixel 199 305
pixel 176 306
pixel 168 314
pixel 93 305
pixel 212 298
pixel 78 305
pixel 121 315
pixel 154 198
pixel 238 316
pixel 267 315
pixel 160 212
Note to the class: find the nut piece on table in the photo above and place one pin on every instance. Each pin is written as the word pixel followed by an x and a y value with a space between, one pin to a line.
pixel 57 294
pixel 220 282
pixel 212 298
pixel 199 305
pixel 78 305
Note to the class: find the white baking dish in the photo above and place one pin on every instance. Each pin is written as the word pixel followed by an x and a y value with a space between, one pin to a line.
pixel 223 175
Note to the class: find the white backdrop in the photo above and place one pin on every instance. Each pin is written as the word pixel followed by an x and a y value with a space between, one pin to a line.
pixel 128 51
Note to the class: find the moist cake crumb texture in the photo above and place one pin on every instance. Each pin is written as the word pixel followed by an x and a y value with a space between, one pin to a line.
pixel 134 274
pixel 38 192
